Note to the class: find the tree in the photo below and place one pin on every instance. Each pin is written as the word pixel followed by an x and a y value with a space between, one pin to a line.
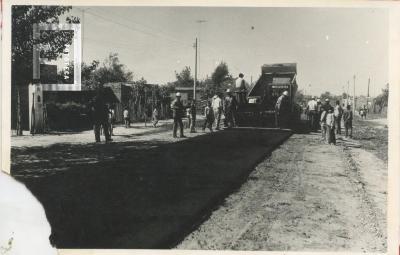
pixel 112 71
pixel 22 42
pixel 220 75
pixel 184 78
pixel 382 99
pixel 88 77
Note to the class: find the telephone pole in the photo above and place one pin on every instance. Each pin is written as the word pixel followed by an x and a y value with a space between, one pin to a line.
pixel 368 92
pixel 195 72
pixel 354 94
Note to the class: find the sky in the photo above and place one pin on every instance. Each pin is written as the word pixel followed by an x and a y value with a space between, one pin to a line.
pixel 329 45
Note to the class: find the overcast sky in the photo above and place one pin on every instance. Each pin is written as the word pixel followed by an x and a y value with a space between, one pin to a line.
pixel 329 45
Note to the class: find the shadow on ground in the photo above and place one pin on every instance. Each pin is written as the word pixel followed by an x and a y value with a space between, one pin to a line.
pixel 138 194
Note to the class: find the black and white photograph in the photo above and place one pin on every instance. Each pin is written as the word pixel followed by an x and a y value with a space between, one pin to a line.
pixel 235 128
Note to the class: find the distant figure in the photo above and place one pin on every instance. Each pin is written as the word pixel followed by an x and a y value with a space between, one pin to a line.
pixel 240 88
pixel 312 113
pixel 100 116
pixel 319 112
pixel 338 113
pixel 230 105
pixel 111 120
pixel 363 112
pixel 325 109
pixel 126 117
pixel 323 124
pixel 155 117
pixel 209 117
pixel 282 110
pixel 193 113
pixel 348 121
pixel 188 117
pixel 330 127
pixel 177 114
pixel 217 108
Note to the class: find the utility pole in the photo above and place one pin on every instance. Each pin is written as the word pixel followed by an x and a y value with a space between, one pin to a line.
pixel 348 91
pixel 195 72
pixel 354 94
pixel 369 80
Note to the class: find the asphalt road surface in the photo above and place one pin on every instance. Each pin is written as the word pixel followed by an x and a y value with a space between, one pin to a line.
pixel 144 190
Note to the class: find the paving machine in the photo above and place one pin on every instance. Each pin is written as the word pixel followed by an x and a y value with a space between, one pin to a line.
pixel 257 107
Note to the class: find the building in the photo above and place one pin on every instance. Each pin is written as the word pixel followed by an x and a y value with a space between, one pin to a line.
pixel 187 94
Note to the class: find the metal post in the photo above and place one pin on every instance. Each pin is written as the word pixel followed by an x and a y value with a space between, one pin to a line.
pixel 354 94
pixel 145 101
pixel 195 73
pixel 369 80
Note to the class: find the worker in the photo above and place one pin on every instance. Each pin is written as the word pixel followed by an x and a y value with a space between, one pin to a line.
pixel 330 126
pixel 282 110
pixel 319 112
pixel 240 88
pixel 100 116
pixel 193 113
pixel 348 121
pixel 177 114
pixel 208 117
pixel 230 105
pixel 312 113
pixel 216 106
pixel 338 113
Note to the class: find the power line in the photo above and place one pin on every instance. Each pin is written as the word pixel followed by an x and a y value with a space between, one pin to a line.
pixel 133 29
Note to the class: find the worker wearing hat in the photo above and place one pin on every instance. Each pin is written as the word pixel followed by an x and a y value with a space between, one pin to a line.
pixel 177 114
pixel 282 110
pixel 230 106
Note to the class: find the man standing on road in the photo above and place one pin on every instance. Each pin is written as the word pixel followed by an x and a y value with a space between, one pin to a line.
pixel 348 121
pixel 230 105
pixel 312 113
pixel 100 116
pixel 193 113
pixel 126 117
pixel 217 109
pixel 282 110
pixel 177 114
pixel 325 109
pixel 338 113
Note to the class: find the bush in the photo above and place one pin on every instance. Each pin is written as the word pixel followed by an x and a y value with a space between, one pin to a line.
pixel 68 116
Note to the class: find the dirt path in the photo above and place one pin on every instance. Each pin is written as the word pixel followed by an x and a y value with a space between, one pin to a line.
pixel 307 196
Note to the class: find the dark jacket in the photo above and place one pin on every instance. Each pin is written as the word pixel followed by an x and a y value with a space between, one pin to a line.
pixel 177 109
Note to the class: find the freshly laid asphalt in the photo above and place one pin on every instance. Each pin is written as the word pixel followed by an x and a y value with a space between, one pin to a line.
pixel 141 194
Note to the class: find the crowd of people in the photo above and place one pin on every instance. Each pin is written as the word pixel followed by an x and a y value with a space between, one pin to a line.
pixel 328 119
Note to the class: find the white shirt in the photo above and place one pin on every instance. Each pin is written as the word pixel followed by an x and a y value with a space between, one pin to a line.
pixel 126 113
pixel 239 82
pixel 312 105
pixel 216 103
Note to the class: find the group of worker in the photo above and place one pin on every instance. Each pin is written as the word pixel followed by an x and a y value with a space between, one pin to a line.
pixel 329 118
pixel 212 113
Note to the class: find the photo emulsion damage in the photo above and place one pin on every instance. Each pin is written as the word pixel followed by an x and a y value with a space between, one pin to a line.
pixel 203 128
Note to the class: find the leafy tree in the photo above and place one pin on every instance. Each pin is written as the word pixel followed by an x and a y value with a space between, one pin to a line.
pixel 88 77
pixel 112 71
pixel 22 42
pixel 220 75
pixel 382 99
pixel 184 78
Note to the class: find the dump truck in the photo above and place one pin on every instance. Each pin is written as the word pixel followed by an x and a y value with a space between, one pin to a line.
pixel 257 107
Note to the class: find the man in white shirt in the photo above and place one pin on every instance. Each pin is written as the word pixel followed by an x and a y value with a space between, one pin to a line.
pixel 312 113
pixel 217 109
pixel 240 88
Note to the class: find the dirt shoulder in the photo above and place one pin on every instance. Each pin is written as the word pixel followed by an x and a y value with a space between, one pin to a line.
pixel 307 196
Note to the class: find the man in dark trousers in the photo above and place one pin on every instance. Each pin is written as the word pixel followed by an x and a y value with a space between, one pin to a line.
pixel 177 114
pixel 230 105
pixel 100 116
pixel 282 110
pixel 348 121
